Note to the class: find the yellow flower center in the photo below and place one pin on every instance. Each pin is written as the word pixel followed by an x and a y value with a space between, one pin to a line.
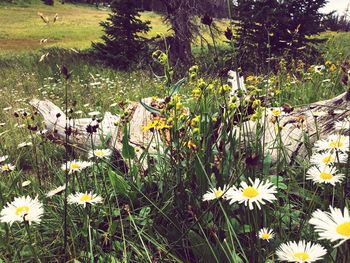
pixel 22 210
pixel 218 193
pixel 74 166
pixel 250 192
pixel 276 112
pixel 265 236
pixel 99 153
pixel 335 144
pixel 85 198
pixel 301 256
pixel 344 229
pixel 5 168
pixel 328 159
pixel 326 176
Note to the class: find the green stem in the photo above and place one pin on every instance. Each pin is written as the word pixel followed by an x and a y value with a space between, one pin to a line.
pixel 90 238
pixel 31 241
pixel 65 242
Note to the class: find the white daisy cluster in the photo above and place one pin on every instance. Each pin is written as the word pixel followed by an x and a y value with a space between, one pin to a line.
pixel 328 152
pixel 25 209
pixel 28 210
pixel 257 192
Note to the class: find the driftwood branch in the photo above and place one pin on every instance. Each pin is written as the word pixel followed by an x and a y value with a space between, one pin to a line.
pixel 296 125
pixel 303 123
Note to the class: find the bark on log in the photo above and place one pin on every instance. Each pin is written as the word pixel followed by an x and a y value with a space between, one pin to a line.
pixel 302 122
pixel 296 125
pixel 108 132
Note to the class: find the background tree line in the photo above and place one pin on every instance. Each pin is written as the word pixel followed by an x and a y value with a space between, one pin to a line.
pixel 260 33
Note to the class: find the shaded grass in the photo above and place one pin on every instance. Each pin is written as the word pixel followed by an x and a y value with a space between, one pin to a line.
pixel 337 46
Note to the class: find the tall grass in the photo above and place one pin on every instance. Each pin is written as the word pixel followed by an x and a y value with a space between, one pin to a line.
pixel 153 208
pixel 156 212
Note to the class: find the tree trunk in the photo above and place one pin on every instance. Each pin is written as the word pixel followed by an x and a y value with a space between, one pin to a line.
pixel 179 14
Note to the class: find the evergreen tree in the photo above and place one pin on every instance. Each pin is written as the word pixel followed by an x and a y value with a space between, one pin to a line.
pixel 48 2
pixel 123 44
pixel 270 29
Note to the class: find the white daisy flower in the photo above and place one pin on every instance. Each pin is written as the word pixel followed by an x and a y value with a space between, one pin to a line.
pixel 84 198
pixel 26 183
pixel 7 167
pixel 318 69
pixel 56 191
pixel 76 166
pixel 113 104
pixel 215 193
pixel 324 175
pixel 24 144
pixel 266 234
pixel 300 252
pixel 328 158
pixel 333 142
pixel 22 209
pixel 256 193
pixel 333 225
pixel 276 112
pixel 20 125
pixel 7 108
pixel 3 158
pixel 100 153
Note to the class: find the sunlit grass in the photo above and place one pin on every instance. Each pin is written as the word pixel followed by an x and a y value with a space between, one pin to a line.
pixel 77 26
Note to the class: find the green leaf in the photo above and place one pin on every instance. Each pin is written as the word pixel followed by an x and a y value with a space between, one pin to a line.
pixel 145 212
pixel 247 229
pixel 119 184
pixel 278 181
pixel 128 152
pixel 150 108
pixel 267 164
pixel 177 86
pixel 236 258
pixel 201 178
pixel 200 248
pixel 112 229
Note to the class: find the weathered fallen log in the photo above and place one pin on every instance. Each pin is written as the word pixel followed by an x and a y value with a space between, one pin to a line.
pixel 295 126
pixel 303 126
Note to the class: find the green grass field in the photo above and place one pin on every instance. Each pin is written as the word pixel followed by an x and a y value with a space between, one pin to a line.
pixel 22 28
pixel 77 26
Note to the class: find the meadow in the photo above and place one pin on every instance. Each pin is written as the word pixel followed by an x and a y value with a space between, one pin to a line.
pixel 202 189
